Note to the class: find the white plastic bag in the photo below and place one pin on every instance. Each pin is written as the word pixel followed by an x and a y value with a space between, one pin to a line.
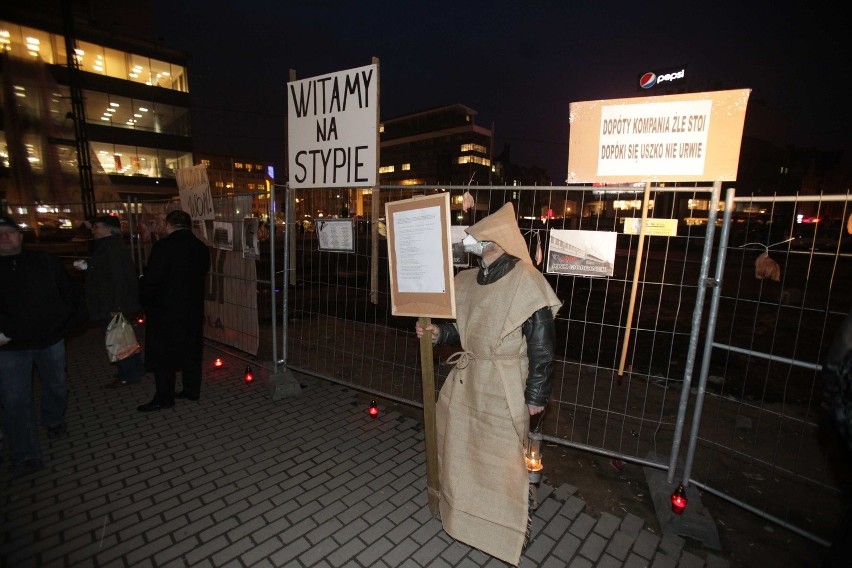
pixel 120 339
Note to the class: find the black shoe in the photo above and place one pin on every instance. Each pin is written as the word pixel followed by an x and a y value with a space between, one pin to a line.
pixel 26 467
pixel 153 406
pixel 56 432
pixel 186 396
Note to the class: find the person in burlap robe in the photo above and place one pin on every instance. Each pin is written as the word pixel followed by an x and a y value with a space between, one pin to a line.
pixel 505 312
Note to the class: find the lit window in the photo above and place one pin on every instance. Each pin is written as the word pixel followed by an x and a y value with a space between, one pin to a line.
pixel 238 165
pixel 473 148
pixel 474 160
pixel 624 204
pixel 406 167
pixel 386 169
pixel 205 163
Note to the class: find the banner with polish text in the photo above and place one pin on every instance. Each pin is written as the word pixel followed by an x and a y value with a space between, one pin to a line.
pixel 687 138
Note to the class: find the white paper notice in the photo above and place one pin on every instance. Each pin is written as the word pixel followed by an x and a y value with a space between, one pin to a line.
pixel 417 244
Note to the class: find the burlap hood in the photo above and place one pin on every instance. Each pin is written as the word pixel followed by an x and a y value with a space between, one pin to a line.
pixel 501 227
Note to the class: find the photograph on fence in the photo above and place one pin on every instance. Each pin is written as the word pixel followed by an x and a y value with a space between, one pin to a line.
pixel 581 253
pixel 250 237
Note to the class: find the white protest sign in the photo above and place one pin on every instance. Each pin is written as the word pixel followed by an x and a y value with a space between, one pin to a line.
pixel 194 188
pixel 332 125
pixel 647 139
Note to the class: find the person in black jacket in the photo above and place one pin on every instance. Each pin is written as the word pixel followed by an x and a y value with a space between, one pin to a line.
pixel 39 303
pixel 837 394
pixel 172 294
pixel 112 287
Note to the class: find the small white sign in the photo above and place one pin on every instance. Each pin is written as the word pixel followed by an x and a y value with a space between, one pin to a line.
pixel 335 235
pixel 417 244
pixel 653 227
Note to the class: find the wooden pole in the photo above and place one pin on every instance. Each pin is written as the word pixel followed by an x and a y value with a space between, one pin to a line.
pixel 636 271
pixel 427 367
pixel 375 199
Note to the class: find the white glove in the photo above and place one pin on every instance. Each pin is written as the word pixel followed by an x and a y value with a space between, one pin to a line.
pixel 81 264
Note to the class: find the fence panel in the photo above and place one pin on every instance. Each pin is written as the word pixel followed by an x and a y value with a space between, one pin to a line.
pixel 336 332
pixel 761 443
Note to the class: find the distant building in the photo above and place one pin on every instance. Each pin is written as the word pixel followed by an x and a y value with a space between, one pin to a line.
pixel 440 146
pixel 229 176
pixel 132 93
pixel 437 146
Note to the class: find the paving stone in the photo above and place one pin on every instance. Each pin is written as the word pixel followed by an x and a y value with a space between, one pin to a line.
pixel 607 525
pixel 646 544
pixel 567 547
pixel 580 562
pixel 374 551
pixel 620 544
pixel 556 527
pixel 539 548
pixel 608 561
pixel 572 507
pixel 429 551
pixel 631 524
pixel 690 560
pixel 593 547
pixel 582 525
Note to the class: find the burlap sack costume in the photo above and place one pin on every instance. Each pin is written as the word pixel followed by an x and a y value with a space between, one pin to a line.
pixel 482 419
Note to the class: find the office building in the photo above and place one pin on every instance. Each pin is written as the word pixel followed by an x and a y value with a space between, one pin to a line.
pixel 124 94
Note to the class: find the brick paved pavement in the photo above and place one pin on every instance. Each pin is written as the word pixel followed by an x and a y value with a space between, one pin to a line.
pixel 238 479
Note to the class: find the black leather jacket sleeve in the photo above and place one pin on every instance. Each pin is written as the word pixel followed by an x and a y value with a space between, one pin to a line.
pixel 448 333
pixel 539 331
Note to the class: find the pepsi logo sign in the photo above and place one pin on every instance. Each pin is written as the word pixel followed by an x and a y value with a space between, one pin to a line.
pixel 651 79
pixel 648 80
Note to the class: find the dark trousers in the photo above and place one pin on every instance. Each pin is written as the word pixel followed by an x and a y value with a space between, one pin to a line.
pixel 189 363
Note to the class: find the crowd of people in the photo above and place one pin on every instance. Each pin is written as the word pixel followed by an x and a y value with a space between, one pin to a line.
pixel 40 304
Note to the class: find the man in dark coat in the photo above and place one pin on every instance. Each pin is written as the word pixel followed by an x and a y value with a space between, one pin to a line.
pixel 39 304
pixel 837 394
pixel 172 294
pixel 112 287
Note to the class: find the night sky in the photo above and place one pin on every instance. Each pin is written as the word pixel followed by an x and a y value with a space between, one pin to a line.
pixel 518 63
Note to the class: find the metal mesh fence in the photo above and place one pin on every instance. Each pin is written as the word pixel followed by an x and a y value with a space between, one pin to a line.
pixel 620 373
pixel 759 440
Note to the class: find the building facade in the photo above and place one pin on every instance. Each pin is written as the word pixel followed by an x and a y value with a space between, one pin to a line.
pixel 119 91
pixel 229 176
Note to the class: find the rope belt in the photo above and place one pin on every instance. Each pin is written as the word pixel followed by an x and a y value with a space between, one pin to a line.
pixel 461 359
